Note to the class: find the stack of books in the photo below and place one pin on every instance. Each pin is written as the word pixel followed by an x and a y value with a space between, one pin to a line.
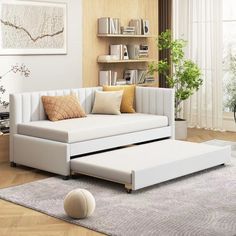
pixel 143 51
pixel 4 122
pixel 4 115
pixel 107 77
pixel 149 80
pixel 128 30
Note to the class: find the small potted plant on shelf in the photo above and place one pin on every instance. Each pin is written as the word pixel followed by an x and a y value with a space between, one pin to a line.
pixel 181 74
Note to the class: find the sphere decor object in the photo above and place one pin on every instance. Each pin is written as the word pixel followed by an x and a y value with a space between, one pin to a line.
pixel 79 204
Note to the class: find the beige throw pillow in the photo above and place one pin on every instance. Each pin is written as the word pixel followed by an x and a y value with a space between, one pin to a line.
pixel 107 102
pixel 62 107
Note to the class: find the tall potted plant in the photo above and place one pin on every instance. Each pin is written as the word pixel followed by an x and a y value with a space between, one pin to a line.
pixel 181 74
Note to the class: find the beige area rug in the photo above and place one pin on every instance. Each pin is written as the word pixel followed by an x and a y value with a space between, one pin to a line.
pixel 201 204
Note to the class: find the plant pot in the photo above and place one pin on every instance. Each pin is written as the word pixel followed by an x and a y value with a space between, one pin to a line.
pixel 181 129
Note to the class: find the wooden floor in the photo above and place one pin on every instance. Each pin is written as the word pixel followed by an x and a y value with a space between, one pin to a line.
pixel 16 220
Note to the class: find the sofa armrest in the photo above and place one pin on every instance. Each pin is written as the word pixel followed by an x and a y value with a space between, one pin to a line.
pixel 157 101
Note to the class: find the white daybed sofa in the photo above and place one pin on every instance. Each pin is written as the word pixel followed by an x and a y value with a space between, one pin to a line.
pixel 42 144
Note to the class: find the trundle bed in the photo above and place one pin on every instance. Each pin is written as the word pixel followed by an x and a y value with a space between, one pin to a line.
pixel 58 146
pixel 147 164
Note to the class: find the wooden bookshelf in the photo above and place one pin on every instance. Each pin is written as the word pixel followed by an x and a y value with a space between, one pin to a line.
pixel 95 44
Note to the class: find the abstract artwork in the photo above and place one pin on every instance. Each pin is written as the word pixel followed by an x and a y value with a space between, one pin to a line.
pixel 32 28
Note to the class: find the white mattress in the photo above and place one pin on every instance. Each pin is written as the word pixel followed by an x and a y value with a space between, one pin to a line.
pixel 91 127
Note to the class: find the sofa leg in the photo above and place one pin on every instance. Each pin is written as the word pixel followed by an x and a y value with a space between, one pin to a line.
pixel 128 190
pixel 12 164
pixel 65 177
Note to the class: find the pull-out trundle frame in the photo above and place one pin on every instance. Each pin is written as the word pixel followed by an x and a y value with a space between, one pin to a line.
pixel 144 165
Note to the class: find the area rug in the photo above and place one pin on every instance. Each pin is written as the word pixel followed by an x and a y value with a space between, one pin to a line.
pixel 200 204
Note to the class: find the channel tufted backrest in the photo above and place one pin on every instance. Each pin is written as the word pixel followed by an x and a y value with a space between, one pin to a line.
pixel 26 107
pixel 156 101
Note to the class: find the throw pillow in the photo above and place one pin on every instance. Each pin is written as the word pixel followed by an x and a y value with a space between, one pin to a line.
pixel 107 102
pixel 127 103
pixel 62 107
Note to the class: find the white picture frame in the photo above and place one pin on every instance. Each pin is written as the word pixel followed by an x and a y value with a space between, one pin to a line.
pixel 32 27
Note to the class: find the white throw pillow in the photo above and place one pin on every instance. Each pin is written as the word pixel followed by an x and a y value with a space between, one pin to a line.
pixel 107 102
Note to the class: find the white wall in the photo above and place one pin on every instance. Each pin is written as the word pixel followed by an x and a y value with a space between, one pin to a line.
pixel 50 71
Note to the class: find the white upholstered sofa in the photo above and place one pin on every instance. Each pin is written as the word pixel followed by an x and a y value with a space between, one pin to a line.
pixel 46 145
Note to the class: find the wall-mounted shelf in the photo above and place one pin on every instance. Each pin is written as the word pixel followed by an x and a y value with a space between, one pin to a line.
pixel 127 36
pixel 129 53
pixel 127 61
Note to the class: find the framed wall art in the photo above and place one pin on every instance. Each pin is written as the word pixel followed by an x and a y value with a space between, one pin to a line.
pixel 33 28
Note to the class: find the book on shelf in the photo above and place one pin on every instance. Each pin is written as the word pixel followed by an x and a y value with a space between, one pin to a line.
pixel 120 51
pixel 107 77
pixel 108 25
pixel 142 75
pixel 131 76
pixel 116 50
pixel 103 25
pixel 114 26
pixel 113 77
pixel 104 77
pixel 141 26
pixel 137 24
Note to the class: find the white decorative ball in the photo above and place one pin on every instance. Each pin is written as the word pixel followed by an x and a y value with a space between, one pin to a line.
pixel 79 203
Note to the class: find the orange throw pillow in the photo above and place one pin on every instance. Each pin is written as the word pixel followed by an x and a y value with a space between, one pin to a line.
pixel 127 103
pixel 62 107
